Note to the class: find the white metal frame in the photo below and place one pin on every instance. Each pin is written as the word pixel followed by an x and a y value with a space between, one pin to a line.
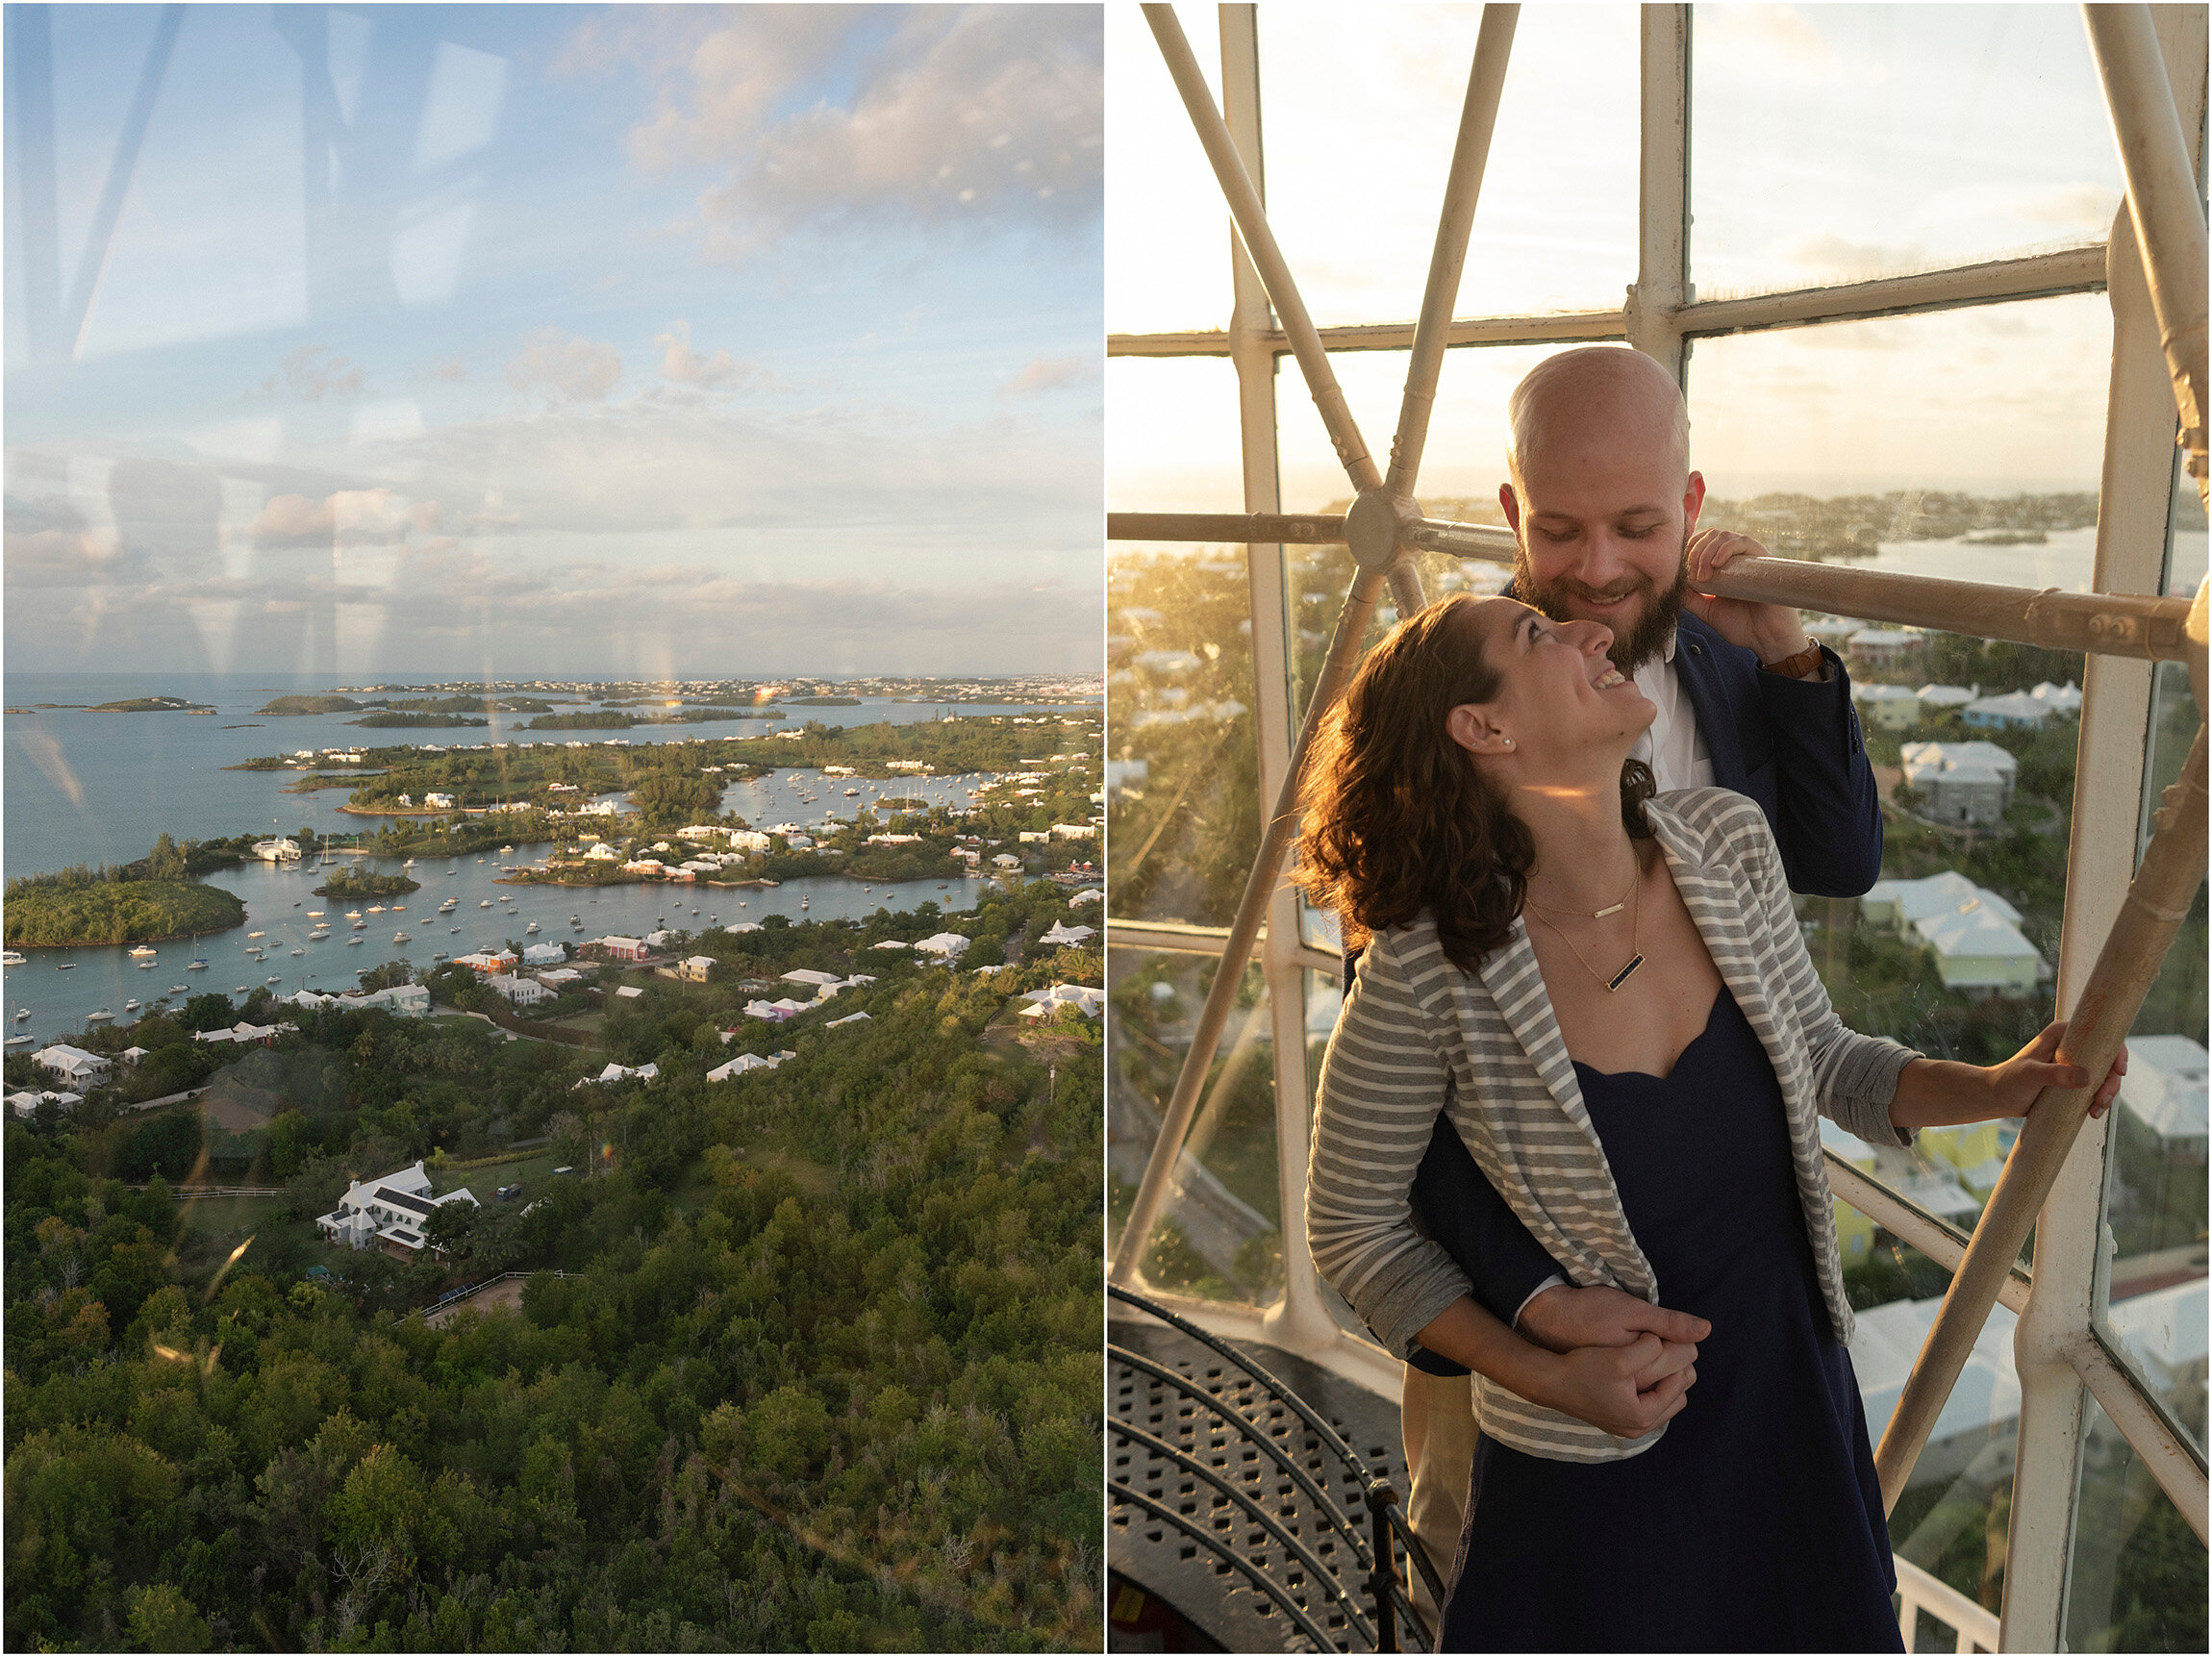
pixel 2059 1357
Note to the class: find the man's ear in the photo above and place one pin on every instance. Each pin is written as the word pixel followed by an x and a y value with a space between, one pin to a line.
pixel 1693 499
pixel 1509 503
pixel 1471 727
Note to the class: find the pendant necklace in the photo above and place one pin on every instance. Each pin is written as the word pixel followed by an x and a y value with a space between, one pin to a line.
pixel 1634 895
pixel 1614 908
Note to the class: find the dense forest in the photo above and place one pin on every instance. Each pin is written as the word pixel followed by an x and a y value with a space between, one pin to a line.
pixel 807 1360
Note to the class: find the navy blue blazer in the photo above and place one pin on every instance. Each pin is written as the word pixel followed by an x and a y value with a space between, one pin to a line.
pixel 1792 745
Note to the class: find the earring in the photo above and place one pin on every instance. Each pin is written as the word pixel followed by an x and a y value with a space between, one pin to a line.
pixel 1509 742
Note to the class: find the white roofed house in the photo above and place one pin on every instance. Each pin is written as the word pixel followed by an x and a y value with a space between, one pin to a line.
pixel 544 955
pixel 2165 1091
pixel 944 945
pixel 1887 707
pixel 696 968
pixel 1979 953
pixel 1947 699
pixel 1043 1003
pixel 1966 783
pixel 1897 903
pixel 1068 936
pixel 72 1063
pixel 519 992
pixel 388 1212
pixel 2015 710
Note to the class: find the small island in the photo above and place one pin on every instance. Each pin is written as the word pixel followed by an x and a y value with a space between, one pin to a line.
pixel 360 883
pixel 291 706
pixel 79 907
pixel 403 721
pixel 151 705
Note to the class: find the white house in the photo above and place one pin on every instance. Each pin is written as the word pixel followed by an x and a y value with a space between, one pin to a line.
pixel 1089 1002
pixel 1088 894
pixel 388 1212
pixel 438 802
pixel 2165 1089
pixel 1979 953
pixel 1071 937
pixel 744 1062
pixel 1074 831
pixel 560 977
pixel 1897 903
pixel 27 1102
pixel 623 1073
pixel 242 1032
pixel 1961 782
pixel 603 853
pixel 892 943
pixel 520 992
pixel 544 955
pixel 947 946
pixel 72 1063
pixel 2063 698
pixel 402 1001
pixel 1947 699
pixel 824 984
pixel 748 840
pixel 848 1018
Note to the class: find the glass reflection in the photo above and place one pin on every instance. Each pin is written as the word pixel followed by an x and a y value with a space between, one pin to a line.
pixel 1220 1232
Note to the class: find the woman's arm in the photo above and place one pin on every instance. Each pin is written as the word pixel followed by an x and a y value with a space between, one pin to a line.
pixel 1625 1390
pixel 1381 1088
pixel 1939 1093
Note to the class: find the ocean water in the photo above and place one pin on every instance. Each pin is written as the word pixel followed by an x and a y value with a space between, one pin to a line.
pixel 2065 560
pixel 279 900
pixel 98 787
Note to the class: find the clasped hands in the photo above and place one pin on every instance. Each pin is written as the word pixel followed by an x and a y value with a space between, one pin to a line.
pixel 1619 1363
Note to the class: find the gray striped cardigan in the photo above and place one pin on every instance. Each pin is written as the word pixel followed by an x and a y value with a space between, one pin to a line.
pixel 1418 1036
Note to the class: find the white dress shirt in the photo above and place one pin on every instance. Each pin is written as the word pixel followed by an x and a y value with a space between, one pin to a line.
pixel 1672 747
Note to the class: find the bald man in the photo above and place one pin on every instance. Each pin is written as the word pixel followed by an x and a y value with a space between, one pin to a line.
pixel 1604 508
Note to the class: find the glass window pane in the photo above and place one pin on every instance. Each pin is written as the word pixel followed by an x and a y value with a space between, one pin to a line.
pixel 1160 191
pixel 1910 416
pixel 2151 1293
pixel 1220 1232
pixel 1182 778
pixel 1837 143
pixel 2137 1578
pixel 1360 123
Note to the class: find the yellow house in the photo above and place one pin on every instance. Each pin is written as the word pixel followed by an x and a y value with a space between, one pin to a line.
pixel 1854 1231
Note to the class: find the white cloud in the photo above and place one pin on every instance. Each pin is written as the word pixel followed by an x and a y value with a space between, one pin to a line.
pixel 312 373
pixel 1765 42
pixel 1042 374
pixel 565 367
pixel 345 517
pixel 685 366
pixel 1833 255
pixel 972 116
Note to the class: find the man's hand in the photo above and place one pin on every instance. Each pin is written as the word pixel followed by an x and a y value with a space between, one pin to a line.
pixel 1771 631
pixel 1564 1317
pixel 1625 1390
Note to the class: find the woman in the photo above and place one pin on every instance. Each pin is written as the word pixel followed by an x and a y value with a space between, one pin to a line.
pixel 1607 996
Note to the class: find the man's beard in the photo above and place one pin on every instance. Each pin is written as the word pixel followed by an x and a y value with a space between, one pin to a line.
pixel 1641 642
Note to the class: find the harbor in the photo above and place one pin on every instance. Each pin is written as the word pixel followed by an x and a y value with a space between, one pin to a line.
pixel 279 945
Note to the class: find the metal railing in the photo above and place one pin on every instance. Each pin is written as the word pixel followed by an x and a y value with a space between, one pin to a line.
pixel 1389 1609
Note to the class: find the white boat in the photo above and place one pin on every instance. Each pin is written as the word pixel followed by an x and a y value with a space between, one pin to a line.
pixel 143 949
pixel 300 951
pixel 20 1041
pixel 133 1005
pixel 197 966
pixel 453 929
pixel 355 940
pixel 359 924
pixel 315 915
pixel 450 904
pixel 67 967
pixel 21 1013
pixel 12 958
pixel 256 935
pixel 179 989
pixel 401 938
pixel 146 966
pixel 527 930
pixel 409 863
pixel 376 909
pixel 99 1017
pixel 274 978
pixel 241 989
pixel 485 903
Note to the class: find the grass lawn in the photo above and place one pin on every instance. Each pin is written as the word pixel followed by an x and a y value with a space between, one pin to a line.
pixel 527 1169
pixel 219 1214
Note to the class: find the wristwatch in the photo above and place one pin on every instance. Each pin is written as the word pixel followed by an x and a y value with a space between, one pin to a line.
pixel 1799 665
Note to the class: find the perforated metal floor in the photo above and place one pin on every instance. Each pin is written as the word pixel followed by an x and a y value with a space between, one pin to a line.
pixel 1212 1593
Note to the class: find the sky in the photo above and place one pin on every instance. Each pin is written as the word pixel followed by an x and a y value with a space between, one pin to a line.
pixel 505 341
pixel 1829 143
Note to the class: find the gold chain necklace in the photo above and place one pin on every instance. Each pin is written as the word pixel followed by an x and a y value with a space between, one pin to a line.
pixel 1614 908
pixel 1635 940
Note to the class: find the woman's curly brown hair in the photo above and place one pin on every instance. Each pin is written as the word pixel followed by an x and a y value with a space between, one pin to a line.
pixel 1398 817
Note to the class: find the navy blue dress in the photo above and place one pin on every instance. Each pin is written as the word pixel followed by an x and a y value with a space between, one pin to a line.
pixel 1755 1523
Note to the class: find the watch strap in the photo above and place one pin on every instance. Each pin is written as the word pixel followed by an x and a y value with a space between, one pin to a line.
pixel 1799 665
